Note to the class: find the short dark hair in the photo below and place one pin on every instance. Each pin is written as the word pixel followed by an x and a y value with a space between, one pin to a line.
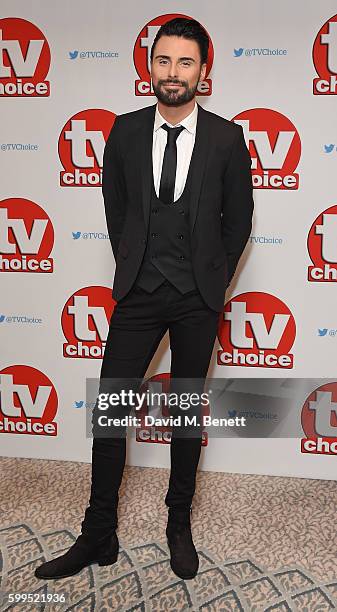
pixel 186 28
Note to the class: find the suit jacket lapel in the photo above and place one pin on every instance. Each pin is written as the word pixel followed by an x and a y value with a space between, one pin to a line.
pixel 200 154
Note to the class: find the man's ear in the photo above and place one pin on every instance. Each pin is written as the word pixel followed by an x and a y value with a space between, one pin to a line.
pixel 203 72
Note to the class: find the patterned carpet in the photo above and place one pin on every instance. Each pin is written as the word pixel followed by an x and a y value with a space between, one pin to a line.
pixel 265 543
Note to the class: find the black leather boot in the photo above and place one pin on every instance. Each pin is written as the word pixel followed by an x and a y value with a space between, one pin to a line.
pixel 84 552
pixel 184 557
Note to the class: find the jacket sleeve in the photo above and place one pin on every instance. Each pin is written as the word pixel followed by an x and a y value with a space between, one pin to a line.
pixel 238 204
pixel 113 187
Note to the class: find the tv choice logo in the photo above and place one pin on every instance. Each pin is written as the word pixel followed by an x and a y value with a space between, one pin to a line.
pixel 319 421
pixel 322 247
pixel 142 60
pixel 324 55
pixel 24 59
pixel 160 434
pixel 81 147
pixel 275 148
pixel 28 402
pixel 85 322
pixel 26 237
pixel 256 330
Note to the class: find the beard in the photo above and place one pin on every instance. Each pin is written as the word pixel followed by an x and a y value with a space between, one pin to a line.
pixel 172 97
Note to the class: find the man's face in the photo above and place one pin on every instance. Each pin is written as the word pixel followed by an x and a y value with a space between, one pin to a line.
pixel 176 70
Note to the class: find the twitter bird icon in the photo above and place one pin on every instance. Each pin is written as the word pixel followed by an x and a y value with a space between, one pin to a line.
pixel 73 54
pixel 329 148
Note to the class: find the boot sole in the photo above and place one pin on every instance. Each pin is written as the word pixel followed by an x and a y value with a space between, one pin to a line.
pixel 108 560
pixel 101 562
pixel 184 577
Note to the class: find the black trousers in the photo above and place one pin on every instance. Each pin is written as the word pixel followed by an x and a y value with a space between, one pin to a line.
pixel 138 323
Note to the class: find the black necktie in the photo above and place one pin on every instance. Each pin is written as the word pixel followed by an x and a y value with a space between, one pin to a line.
pixel 169 168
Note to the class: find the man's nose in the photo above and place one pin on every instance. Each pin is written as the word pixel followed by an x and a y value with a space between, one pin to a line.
pixel 173 71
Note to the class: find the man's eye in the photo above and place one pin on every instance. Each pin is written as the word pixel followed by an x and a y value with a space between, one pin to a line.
pixel 163 61
pixel 186 63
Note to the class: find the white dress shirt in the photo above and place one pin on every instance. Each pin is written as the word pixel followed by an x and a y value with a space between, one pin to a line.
pixel 185 144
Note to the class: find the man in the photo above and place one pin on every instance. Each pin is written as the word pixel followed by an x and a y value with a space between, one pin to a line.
pixel 178 199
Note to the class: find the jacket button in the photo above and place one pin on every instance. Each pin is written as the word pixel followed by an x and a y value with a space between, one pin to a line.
pixel 154 210
pixel 154 234
pixel 181 212
pixel 181 236
pixel 181 257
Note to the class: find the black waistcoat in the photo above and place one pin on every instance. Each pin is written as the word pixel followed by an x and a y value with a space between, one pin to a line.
pixel 168 249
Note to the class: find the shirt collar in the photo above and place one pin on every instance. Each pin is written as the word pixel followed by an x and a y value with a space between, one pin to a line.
pixel 190 122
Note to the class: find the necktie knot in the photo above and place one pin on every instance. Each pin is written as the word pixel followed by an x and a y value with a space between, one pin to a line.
pixel 172 133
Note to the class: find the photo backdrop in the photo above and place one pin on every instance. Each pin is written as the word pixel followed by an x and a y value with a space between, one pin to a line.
pixel 66 71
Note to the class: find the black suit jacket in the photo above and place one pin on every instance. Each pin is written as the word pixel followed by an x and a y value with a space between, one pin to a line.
pixel 221 204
